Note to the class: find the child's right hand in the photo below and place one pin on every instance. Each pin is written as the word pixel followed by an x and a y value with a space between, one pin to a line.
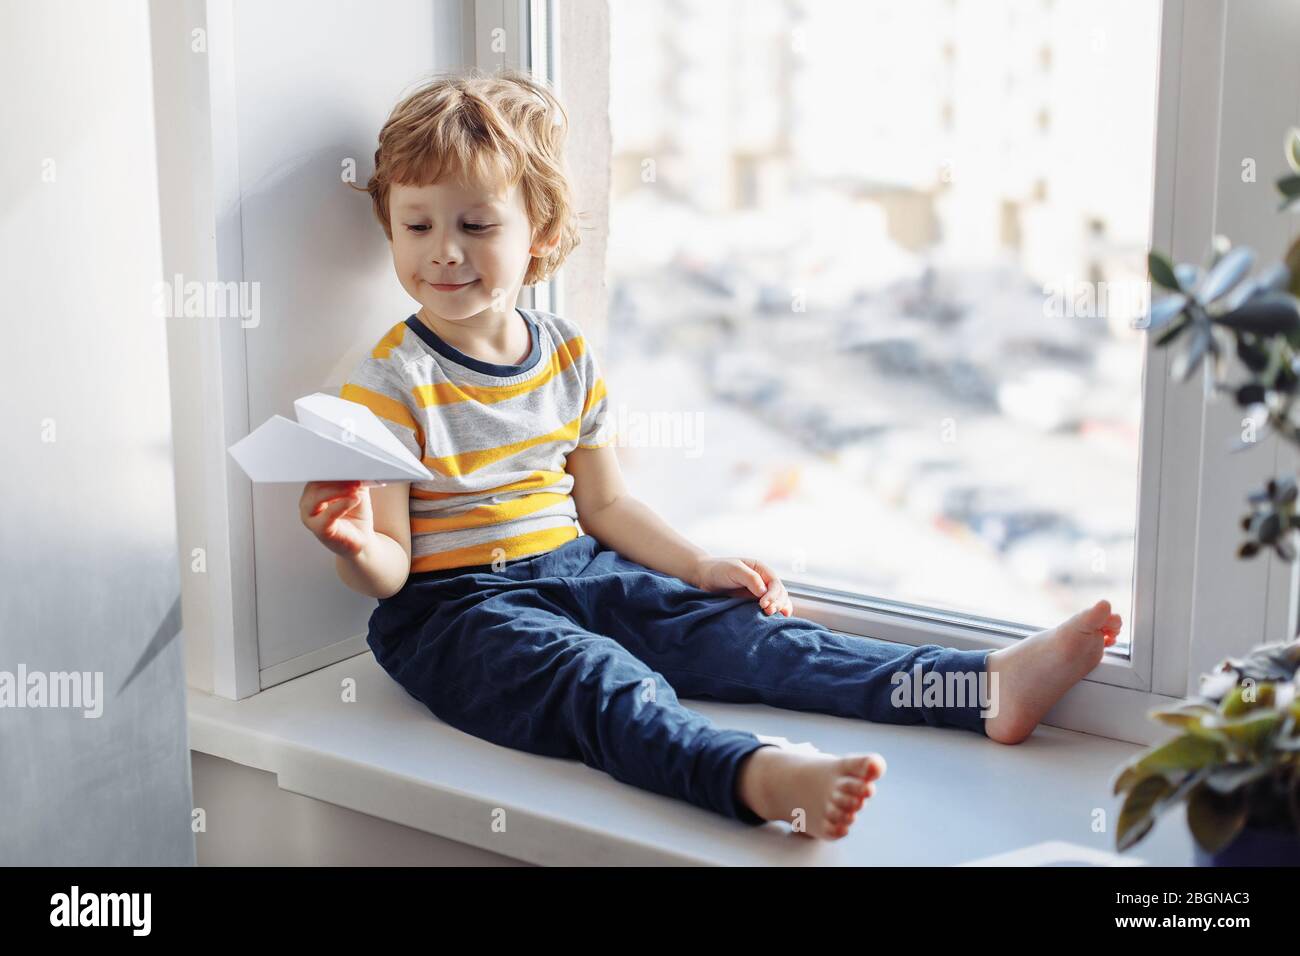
pixel 338 513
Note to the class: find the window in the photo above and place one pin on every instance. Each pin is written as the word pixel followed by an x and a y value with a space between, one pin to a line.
pixel 888 312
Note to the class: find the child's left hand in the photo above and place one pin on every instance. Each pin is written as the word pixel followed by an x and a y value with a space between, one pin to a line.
pixel 746 574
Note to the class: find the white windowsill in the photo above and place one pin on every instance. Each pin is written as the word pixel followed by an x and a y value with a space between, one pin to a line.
pixel 949 796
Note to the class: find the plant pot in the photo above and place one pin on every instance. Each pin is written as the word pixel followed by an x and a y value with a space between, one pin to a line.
pixel 1254 846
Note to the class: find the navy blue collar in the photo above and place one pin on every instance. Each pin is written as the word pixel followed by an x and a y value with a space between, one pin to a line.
pixel 434 342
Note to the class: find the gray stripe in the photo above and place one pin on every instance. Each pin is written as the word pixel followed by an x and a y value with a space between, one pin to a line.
pixel 439 542
pixel 424 508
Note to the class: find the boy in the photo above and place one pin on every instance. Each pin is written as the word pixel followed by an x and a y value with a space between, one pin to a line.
pixel 502 616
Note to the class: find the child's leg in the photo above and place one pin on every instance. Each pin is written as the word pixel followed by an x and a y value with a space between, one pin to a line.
pixel 505 666
pixel 715 646
pixel 709 645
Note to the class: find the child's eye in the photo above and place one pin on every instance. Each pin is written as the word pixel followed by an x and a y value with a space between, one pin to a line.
pixel 471 226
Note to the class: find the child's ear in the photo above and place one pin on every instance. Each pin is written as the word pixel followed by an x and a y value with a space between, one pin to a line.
pixel 541 251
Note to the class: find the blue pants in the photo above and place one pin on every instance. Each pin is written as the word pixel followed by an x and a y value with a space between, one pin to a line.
pixel 581 653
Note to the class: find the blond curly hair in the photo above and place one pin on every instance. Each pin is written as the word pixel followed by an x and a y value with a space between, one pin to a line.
pixel 501 129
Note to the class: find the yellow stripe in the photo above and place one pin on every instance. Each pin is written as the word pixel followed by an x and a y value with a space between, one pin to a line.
pixel 391 340
pixel 594 395
pixel 538 479
pixel 384 407
pixel 485 515
pixel 449 393
pixel 453 466
pixel 520 546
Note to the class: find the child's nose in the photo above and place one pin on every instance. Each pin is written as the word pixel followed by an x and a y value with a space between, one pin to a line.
pixel 444 250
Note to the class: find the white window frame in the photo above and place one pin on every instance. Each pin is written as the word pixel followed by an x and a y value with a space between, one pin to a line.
pixel 518 35
pixel 1194 601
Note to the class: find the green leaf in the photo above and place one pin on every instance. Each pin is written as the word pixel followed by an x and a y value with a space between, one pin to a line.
pixel 1162 272
pixel 1187 752
pixel 1209 729
pixel 1276 313
pixel 1183 713
pixel 1136 816
pixel 1247 735
pixel 1289 186
pixel 1291 148
pixel 1235 703
pixel 1216 819
pixel 1292 261
pixel 1129 776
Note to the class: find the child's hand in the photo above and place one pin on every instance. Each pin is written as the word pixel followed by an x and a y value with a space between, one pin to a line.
pixel 747 574
pixel 338 514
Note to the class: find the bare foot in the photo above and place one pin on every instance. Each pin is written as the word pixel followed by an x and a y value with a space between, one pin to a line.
pixel 1034 673
pixel 817 794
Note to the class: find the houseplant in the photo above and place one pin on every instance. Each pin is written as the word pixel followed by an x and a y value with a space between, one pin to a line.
pixel 1236 758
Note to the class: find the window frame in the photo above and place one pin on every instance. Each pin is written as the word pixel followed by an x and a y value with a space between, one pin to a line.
pixel 535 23
pixel 1207 53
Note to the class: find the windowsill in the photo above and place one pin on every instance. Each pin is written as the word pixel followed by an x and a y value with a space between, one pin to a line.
pixel 949 796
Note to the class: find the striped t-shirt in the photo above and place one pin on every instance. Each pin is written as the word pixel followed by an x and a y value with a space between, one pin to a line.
pixel 494 436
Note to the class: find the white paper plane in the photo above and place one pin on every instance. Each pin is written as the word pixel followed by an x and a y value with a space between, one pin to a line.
pixel 332 440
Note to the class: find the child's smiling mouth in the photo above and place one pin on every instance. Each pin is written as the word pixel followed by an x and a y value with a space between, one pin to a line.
pixel 443 287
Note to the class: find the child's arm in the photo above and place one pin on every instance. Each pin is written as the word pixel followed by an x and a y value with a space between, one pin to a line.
pixel 619 521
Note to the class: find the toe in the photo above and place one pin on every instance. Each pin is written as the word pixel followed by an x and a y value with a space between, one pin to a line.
pixel 840 827
pixel 853 786
pixel 1096 616
pixel 857 766
pixel 867 766
pixel 846 801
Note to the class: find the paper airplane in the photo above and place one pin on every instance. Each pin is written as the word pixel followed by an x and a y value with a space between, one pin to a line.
pixel 332 440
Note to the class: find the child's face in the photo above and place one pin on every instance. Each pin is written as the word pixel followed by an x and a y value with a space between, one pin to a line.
pixel 453 232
